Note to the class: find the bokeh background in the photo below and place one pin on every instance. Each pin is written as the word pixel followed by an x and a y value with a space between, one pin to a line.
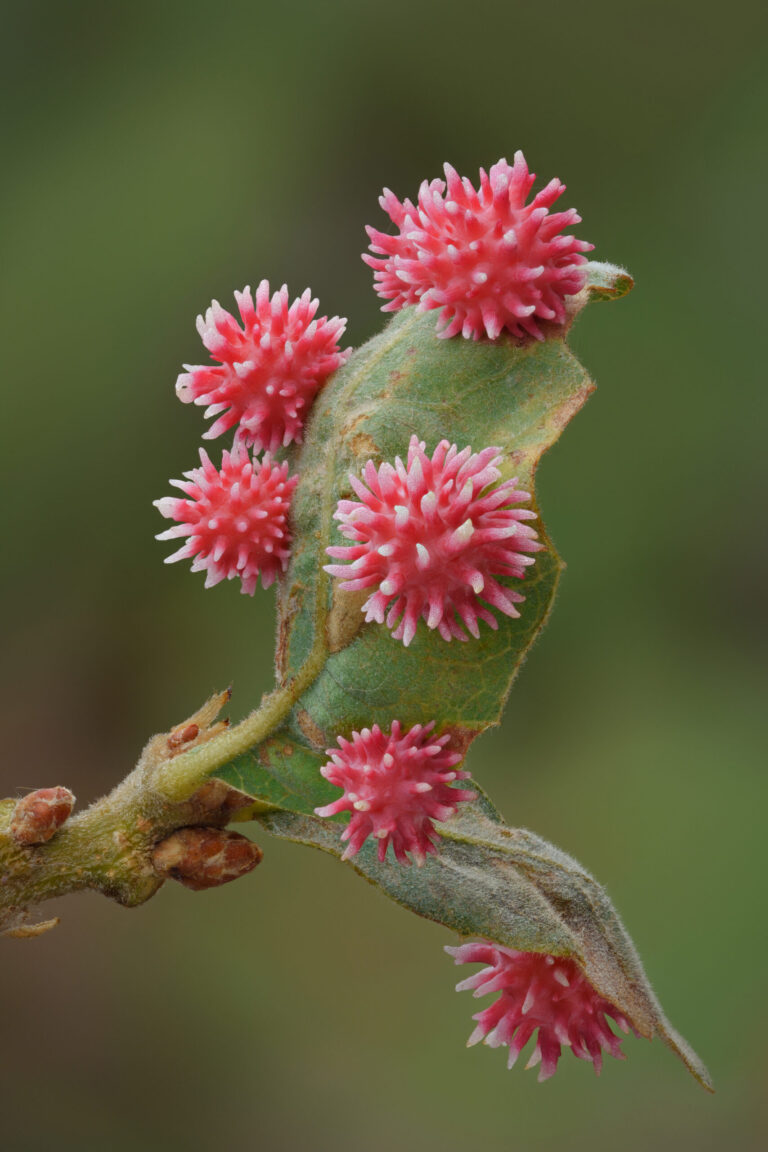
pixel 157 154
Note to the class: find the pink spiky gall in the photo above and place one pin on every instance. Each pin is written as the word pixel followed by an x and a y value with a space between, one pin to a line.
pixel 235 518
pixel 539 992
pixel 395 786
pixel 433 536
pixel 486 259
pixel 271 365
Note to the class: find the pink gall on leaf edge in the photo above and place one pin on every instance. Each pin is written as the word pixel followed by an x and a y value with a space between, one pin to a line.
pixel 487 260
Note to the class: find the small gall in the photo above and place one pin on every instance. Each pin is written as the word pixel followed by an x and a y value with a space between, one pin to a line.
pixel 269 370
pixel 539 993
pixel 235 519
pixel 487 260
pixel 431 537
pixel 395 786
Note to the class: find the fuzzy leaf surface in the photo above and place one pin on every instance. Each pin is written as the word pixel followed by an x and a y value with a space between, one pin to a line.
pixel 488 880
pixel 510 886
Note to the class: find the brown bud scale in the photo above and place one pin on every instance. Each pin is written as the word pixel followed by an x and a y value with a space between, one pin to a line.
pixel 184 735
pixel 205 857
pixel 39 815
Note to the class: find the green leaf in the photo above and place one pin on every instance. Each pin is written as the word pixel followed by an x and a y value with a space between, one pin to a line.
pixel 407 381
pixel 487 880
pixel 510 886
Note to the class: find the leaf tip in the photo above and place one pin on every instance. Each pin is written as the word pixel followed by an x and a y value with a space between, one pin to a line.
pixel 607 281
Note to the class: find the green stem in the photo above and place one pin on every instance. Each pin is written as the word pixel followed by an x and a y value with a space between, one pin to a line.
pixel 107 847
pixel 184 775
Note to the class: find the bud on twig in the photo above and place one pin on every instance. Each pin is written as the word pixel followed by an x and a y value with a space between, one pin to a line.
pixel 39 815
pixel 205 857
pixel 184 735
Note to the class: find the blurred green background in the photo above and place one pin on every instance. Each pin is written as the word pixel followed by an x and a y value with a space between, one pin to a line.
pixel 159 154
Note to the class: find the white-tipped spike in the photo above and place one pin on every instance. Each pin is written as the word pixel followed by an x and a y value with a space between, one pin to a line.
pixel 435 614
pixel 428 503
pixel 415 475
pixel 562 1033
pixel 182 554
pixel 175 532
pixel 464 532
pixel 166 505
pixel 530 1000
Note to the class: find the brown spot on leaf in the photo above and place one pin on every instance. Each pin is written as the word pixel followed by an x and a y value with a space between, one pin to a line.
pixel 289 606
pixel 461 738
pixel 311 730
pixel 363 445
pixel 345 618
pixel 565 412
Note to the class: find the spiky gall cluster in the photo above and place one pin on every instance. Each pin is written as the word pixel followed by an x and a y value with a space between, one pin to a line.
pixel 235 519
pixel 270 369
pixel 486 259
pixel 395 786
pixel 541 992
pixel 432 536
